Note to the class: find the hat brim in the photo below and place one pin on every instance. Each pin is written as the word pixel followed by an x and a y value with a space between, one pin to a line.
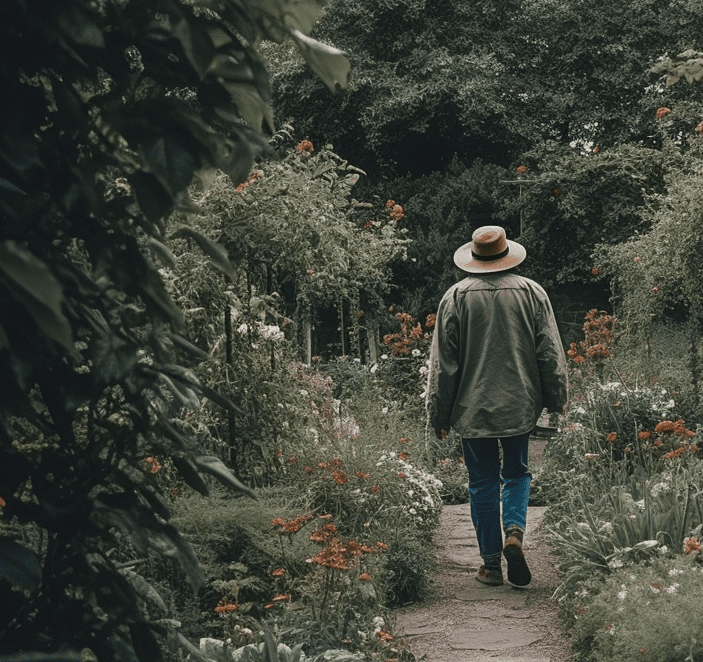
pixel 464 259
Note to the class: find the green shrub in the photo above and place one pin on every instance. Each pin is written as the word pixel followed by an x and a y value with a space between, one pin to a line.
pixel 645 612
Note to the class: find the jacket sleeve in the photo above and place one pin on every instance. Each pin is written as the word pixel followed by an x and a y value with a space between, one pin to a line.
pixel 443 375
pixel 551 359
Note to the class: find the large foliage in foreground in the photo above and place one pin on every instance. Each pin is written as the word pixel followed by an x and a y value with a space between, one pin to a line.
pixel 110 110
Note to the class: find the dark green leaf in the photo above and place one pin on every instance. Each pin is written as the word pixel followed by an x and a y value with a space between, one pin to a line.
pixel 169 162
pixel 217 468
pixel 19 565
pixel 188 346
pixel 112 358
pixel 154 200
pixel 79 27
pixel 162 252
pixel 30 280
pixel 329 63
pixel 190 475
pixel 145 645
pixel 216 252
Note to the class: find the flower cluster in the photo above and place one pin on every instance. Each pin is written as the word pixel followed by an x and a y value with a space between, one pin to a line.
pixel 291 526
pixel 410 337
pixel 598 330
pixel 153 464
pixel 691 545
pixel 396 213
pixel 304 147
pixel 226 607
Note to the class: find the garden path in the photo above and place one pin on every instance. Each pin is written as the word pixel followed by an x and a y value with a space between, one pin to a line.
pixel 461 620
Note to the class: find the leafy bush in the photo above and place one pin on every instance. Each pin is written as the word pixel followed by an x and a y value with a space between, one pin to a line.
pixel 649 612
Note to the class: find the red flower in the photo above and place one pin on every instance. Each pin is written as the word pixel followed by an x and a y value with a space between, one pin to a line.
pixel 304 146
pixel 663 112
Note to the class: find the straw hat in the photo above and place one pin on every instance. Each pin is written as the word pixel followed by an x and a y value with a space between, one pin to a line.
pixel 489 251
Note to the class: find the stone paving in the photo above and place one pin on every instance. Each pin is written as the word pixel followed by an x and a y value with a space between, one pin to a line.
pixel 466 621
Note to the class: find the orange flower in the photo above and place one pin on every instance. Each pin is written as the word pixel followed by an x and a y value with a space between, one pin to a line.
pixel 402 475
pixel 309 470
pixel 665 426
pixel 339 477
pixel 374 489
pixel 579 359
pixel 293 460
pixel 278 521
pixel 390 204
pixel 327 516
pixel 557 192
pixel 596 150
pixel 304 146
pixel 384 636
pixel 397 213
pixel 655 289
pixel 280 598
pixel 612 436
pixel 521 169
pixel 594 271
pixel 2 502
pixel 404 440
pixel 663 112
pixel 699 128
pixel 691 545
pixel 644 435
pixel 403 456
pixel 278 572
pixel 381 545
pixel 226 607
pixel 361 474
pixel 365 577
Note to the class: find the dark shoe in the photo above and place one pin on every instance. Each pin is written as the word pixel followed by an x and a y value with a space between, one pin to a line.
pixel 518 573
pixel 489 576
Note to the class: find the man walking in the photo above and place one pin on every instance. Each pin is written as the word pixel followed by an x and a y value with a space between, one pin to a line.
pixel 496 362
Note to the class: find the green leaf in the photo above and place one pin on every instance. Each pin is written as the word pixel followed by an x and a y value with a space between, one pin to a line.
pixel 30 280
pixel 329 63
pixel 216 252
pixel 217 468
pixel 255 111
pixel 190 475
pixel 162 252
pixel 169 162
pixel 19 565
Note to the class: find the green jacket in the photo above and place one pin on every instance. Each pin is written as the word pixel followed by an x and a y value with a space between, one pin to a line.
pixel 497 360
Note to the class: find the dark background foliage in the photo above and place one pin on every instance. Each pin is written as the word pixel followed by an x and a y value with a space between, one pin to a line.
pixel 110 109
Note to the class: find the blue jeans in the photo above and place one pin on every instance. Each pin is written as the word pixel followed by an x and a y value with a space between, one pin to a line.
pixel 485 482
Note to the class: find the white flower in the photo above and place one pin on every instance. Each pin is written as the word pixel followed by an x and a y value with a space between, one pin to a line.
pixel 640 504
pixel 616 563
pixel 384 410
pixel 378 622
pixel 672 588
pixel 416 352
pixel 412 511
pixel 623 593
pixel 663 549
pixel 675 571
pixel 607 527
pixel 384 356
pixel 303 392
pixel 244 328
pixel 374 367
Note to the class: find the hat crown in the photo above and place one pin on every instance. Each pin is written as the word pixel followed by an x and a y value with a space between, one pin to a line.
pixel 489 240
